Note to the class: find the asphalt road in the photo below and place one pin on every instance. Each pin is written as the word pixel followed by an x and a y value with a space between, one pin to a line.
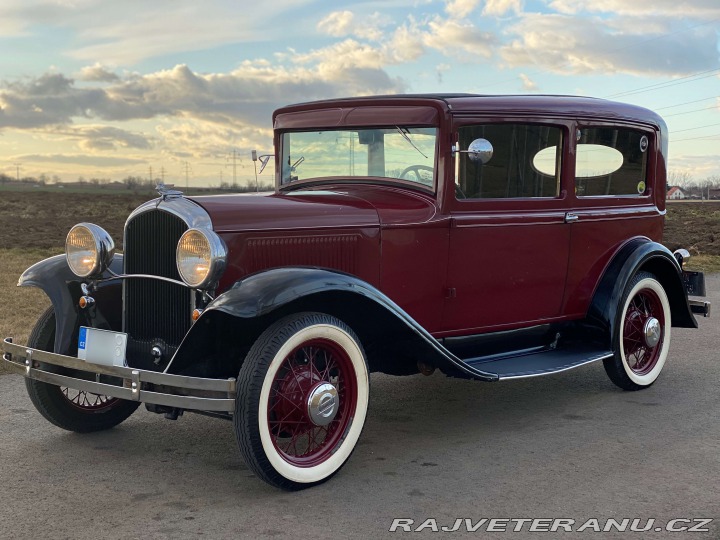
pixel 568 446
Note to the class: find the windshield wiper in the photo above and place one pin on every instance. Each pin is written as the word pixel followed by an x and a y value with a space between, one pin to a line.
pixel 294 166
pixel 404 132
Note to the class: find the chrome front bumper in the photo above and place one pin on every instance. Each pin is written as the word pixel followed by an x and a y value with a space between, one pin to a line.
pixel 190 393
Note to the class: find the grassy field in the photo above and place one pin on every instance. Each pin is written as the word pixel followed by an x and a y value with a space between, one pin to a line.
pixel 33 226
pixel 696 227
pixel 21 306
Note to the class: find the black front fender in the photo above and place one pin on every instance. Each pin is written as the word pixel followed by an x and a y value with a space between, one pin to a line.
pixel 54 277
pixel 253 303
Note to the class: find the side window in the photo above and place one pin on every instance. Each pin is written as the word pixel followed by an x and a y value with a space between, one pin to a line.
pixel 610 161
pixel 525 162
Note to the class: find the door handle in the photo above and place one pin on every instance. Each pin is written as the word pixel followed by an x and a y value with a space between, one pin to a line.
pixel 570 217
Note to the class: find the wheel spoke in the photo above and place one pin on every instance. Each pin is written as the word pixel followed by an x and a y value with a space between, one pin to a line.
pixel 295 434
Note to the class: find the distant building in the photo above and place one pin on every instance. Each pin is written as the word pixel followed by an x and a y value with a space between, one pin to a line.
pixel 675 194
pixel 715 193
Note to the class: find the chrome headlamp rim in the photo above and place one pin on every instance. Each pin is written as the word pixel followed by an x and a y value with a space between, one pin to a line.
pixel 104 247
pixel 217 258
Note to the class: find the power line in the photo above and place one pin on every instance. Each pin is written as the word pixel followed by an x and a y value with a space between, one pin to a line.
pixel 658 86
pixel 694 128
pixel 686 103
pixel 695 138
pixel 690 112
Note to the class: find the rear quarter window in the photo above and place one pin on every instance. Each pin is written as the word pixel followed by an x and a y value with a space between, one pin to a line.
pixel 610 161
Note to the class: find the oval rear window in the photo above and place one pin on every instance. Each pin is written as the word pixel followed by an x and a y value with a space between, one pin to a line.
pixel 596 160
pixel 545 161
pixel 592 160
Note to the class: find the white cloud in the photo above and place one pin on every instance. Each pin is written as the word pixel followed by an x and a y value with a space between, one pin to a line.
pixel 346 23
pixel 247 95
pixel 448 36
pixel 528 84
pixel 461 8
pixel 98 137
pixel 499 8
pixel 665 8
pixel 97 73
pixel 337 23
pixel 79 159
pixel 570 45
pixel 698 166
pixel 124 33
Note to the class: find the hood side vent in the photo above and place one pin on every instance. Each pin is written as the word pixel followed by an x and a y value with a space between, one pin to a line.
pixel 338 252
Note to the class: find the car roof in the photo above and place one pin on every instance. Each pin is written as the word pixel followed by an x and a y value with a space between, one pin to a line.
pixel 520 104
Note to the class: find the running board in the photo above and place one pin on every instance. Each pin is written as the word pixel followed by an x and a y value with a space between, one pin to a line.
pixel 534 364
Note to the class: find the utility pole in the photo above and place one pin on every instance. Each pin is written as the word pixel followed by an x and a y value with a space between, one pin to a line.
pixel 162 174
pixel 17 171
pixel 187 175
pixel 234 158
pixel 152 180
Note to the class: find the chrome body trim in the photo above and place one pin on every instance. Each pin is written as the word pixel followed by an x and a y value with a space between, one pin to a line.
pixel 190 212
pixel 145 276
pixel 701 307
pixel 26 361
pixel 559 370
pixel 682 255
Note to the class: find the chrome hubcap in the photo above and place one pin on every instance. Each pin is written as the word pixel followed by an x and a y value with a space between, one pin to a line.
pixel 323 404
pixel 652 332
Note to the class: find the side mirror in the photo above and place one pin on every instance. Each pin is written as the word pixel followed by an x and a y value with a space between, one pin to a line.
pixel 480 151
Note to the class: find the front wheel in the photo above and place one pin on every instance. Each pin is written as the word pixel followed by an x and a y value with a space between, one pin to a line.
pixel 642 336
pixel 73 410
pixel 302 399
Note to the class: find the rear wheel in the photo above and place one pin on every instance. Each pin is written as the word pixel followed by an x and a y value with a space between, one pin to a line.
pixel 302 400
pixel 642 337
pixel 67 408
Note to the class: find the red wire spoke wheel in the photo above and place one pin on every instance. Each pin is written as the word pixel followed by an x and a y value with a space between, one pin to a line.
pixel 68 408
pixel 642 335
pixel 642 331
pixel 87 401
pixel 302 400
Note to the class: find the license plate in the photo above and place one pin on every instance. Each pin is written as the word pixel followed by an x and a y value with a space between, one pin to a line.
pixel 102 346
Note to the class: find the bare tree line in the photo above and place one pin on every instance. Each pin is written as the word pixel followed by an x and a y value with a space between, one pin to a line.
pixel 132 183
pixel 701 188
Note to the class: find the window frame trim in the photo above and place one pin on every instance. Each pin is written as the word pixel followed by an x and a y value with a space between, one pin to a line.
pixel 650 165
pixel 566 127
pixel 340 178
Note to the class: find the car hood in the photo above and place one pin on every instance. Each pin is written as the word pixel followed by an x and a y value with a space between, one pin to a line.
pixel 234 213
pixel 331 207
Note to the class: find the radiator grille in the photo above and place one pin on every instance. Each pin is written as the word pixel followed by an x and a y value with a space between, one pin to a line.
pixel 155 310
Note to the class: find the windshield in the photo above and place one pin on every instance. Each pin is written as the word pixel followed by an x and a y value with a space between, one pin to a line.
pixel 407 153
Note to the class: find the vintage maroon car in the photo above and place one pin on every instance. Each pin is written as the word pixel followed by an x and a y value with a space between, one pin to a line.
pixel 490 237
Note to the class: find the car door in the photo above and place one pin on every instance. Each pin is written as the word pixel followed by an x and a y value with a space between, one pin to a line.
pixel 615 197
pixel 509 234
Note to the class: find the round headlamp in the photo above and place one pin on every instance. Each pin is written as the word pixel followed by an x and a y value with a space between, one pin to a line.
pixel 89 249
pixel 200 257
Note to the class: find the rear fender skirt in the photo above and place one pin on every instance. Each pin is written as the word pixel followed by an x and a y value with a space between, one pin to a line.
pixel 636 255
pixel 54 277
pixel 259 297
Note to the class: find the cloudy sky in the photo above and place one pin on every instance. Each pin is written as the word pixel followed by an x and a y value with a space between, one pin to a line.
pixel 107 89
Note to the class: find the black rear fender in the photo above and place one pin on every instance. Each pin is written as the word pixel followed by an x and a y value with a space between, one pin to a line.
pixel 640 254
